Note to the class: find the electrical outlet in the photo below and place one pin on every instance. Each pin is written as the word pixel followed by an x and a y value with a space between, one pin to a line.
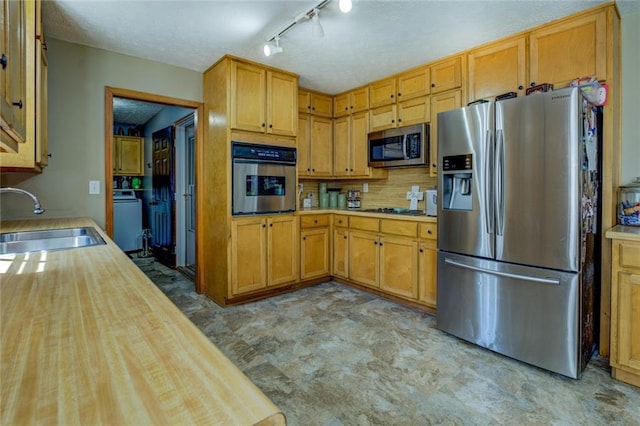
pixel 365 187
pixel 94 187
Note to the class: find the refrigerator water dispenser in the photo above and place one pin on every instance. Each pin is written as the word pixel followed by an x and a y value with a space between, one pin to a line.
pixel 457 179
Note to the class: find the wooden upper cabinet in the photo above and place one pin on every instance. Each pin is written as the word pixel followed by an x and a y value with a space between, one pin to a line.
pixel 408 85
pixel 383 92
pixel 439 103
pixel 350 146
pixel 497 69
pixel 315 103
pixel 569 49
pixel 446 75
pixel 414 83
pixel 282 101
pixel 128 156
pixel 349 102
pixel 263 101
pixel 315 146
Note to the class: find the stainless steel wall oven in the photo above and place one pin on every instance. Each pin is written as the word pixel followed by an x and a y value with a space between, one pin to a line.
pixel 264 179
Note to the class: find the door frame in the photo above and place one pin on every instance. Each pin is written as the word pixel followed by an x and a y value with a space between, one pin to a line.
pixel 109 94
pixel 181 150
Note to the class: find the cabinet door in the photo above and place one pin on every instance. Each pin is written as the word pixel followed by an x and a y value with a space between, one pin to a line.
pixel 131 152
pixel 283 255
pixel 497 69
pixel 427 278
pixel 383 117
pixel 341 144
pixel 322 105
pixel 341 104
pixel 304 101
pixel 340 265
pixel 303 145
pixel 439 103
pixel 359 100
pixel 399 266
pixel 363 258
pixel 282 101
pixel 248 255
pixel 576 48
pixel 13 78
pixel 359 148
pixel 414 111
pixel 321 146
pixel 314 253
pixel 628 321
pixel 446 75
pixel 414 83
pixel 383 92
pixel 248 97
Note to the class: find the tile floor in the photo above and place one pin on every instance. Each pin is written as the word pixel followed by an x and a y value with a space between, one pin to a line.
pixel 334 355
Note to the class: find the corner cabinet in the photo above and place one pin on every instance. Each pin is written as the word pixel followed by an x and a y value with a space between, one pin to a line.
pixel 23 88
pixel 263 100
pixel 625 309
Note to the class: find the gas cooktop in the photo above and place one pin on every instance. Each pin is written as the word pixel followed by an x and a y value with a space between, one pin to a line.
pixel 395 210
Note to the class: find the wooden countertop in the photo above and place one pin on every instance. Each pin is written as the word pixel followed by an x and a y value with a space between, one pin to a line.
pixel 87 338
pixel 355 212
pixel 622 232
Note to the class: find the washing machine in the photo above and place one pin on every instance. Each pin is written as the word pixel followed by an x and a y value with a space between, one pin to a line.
pixel 127 219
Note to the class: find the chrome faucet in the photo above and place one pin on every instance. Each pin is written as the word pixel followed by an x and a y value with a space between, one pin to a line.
pixel 37 209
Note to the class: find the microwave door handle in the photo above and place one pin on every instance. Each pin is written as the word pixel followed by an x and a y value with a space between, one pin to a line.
pixel 405 146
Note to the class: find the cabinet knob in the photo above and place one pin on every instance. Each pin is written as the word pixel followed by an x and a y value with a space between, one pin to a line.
pixel 3 61
pixel 380 243
pixel 399 94
pixel 520 87
pixel 351 106
pixel 345 237
pixel 304 238
pixel 429 231
pixel 314 108
pixel 434 165
pixel 315 221
pixel 433 85
pixel 313 170
pixel 533 83
pixel 346 170
pixel 399 120
pixel 351 170
pixel 18 104
pixel 264 226
pixel 271 126
pixel 391 96
pixel 271 225
pixel 346 108
pixel 421 251
pixel 263 125
pixel 393 121
pixel 375 243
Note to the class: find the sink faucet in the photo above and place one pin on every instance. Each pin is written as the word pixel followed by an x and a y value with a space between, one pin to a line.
pixel 37 209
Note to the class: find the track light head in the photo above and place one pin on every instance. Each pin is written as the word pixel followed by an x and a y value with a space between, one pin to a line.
pixel 317 31
pixel 271 48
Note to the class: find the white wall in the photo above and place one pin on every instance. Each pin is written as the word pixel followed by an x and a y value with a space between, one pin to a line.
pixel 630 98
pixel 77 78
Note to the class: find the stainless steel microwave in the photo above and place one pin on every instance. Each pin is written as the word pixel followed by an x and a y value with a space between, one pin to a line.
pixel 401 147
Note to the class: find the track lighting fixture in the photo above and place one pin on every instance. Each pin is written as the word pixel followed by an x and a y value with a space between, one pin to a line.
pixel 317 31
pixel 312 14
pixel 345 6
pixel 273 48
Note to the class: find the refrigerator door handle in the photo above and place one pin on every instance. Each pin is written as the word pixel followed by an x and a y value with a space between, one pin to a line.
pixel 489 183
pixel 499 182
pixel 503 274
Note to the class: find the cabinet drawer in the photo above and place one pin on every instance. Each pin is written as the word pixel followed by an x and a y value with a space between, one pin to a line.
pixel 364 223
pixel 341 221
pixel 629 255
pixel 399 227
pixel 314 221
pixel 429 231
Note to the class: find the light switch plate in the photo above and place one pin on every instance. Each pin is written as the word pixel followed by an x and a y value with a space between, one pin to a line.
pixel 94 187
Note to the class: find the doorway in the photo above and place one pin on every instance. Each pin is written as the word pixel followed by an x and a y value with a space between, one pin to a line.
pixel 195 109
pixel 185 139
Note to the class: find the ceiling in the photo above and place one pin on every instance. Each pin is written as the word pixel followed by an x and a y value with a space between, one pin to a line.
pixel 376 39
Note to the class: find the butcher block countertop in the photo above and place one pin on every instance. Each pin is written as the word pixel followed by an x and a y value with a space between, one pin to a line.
pixel 87 338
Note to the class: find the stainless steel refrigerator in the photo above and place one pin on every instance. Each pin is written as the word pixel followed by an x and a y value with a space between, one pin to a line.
pixel 518 227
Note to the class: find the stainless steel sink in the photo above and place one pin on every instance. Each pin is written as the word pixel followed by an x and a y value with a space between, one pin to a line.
pixel 49 239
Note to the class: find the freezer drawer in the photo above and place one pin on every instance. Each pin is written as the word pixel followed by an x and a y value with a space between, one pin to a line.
pixel 530 314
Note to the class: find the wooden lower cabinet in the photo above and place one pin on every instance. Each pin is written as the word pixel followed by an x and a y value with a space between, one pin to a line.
pixel 364 253
pixel 399 266
pixel 315 260
pixel 625 312
pixel 264 252
pixel 340 264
